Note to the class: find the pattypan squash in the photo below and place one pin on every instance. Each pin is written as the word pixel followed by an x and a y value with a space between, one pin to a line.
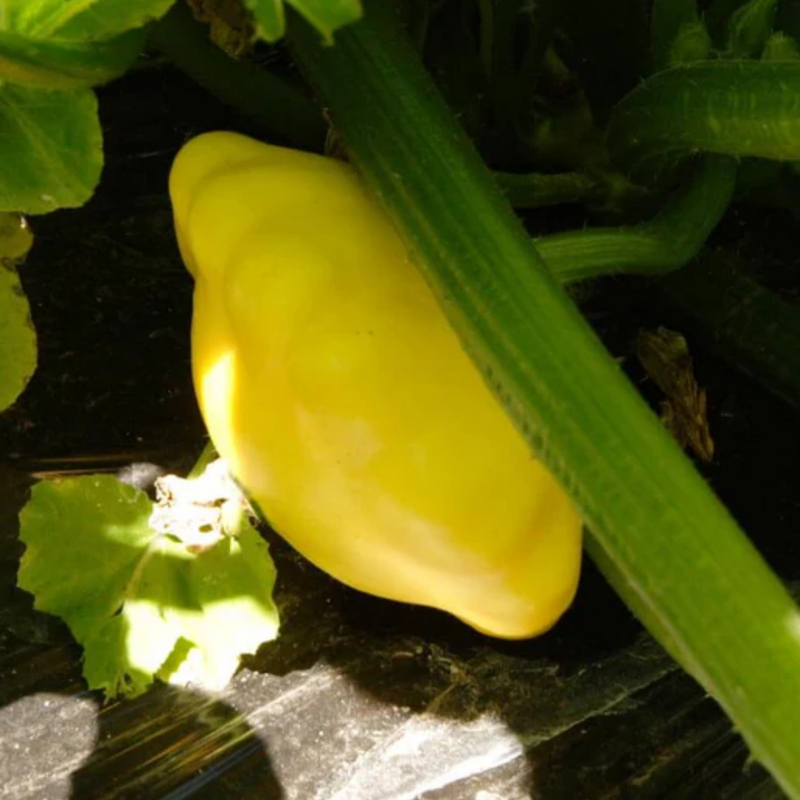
pixel 336 391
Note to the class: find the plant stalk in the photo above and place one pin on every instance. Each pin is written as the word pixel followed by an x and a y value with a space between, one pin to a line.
pixel 665 243
pixel 730 107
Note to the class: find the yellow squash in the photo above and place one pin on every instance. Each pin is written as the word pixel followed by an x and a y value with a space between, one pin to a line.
pixel 333 386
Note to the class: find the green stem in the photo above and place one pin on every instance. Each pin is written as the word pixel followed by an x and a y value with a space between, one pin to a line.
pixel 208 455
pixel 686 567
pixel 665 243
pixel 536 190
pixel 279 107
pixel 735 108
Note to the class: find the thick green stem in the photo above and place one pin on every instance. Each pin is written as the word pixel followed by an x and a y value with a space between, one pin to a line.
pixel 280 108
pixel 735 108
pixel 685 565
pixel 666 243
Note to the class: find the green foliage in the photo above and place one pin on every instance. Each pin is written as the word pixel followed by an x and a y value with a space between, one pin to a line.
pixel 141 600
pixel 72 44
pixel 63 64
pixel 325 15
pixel 52 148
pixel 51 53
pixel 17 335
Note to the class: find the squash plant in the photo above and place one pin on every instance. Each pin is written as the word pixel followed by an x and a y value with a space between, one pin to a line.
pixel 667 98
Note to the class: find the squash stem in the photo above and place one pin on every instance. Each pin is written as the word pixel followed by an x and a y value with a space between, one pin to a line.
pixel 665 243
pixel 731 107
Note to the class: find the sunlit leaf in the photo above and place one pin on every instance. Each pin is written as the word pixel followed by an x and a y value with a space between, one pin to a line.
pixel 139 600
pixel 230 624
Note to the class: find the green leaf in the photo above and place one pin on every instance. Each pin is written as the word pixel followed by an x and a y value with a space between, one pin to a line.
pixel 52 149
pixel 80 20
pixel 123 656
pixel 53 64
pixel 325 15
pixel 69 44
pixel 17 334
pixel 139 600
pixel 84 537
pixel 228 625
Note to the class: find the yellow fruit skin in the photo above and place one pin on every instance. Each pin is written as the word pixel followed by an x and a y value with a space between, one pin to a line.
pixel 332 384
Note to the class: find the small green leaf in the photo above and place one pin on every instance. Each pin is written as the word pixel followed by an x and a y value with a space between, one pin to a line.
pixel 52 149
pixel 141 601
pixel 325 15
pixel 270 18
pixel 17 334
